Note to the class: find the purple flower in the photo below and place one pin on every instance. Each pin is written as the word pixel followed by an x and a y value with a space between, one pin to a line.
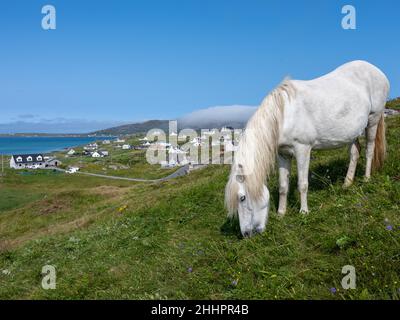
pixel 333 290
pixel 389 227
pixel 234 283
pixel 190 270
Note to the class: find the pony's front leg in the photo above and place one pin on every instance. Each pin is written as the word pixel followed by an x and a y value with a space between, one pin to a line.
pixel 303 153
pixel 284 175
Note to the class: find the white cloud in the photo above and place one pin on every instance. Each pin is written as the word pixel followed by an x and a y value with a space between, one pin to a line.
pixel 235 115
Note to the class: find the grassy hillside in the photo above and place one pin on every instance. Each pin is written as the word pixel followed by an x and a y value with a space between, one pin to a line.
pixel 120 240
pixel 394 104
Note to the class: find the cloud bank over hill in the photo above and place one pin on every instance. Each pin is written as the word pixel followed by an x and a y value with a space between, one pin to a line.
pixel 235 116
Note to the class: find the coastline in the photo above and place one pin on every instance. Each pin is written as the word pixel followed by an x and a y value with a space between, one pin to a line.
pixel 10 145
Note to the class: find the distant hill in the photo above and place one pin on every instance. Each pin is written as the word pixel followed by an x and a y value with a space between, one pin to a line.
pixel 235 116
pixel 140 127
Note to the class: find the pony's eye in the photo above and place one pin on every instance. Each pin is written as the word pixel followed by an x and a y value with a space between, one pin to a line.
pixel 242 198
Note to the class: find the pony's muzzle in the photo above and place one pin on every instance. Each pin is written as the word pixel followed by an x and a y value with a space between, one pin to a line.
pixel 253 232
pixel 247 234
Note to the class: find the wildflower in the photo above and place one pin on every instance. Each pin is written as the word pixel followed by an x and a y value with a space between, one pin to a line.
pixel 333 290
pixel 389 228
pixel 6 272
pixel 190 269
pixel 123 208
pixel 234 283
pixel 74 240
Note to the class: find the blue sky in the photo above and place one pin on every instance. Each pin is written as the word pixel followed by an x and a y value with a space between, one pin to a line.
pixel 125 61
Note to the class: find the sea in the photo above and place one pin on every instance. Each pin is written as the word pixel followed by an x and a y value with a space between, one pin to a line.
pixel 27 145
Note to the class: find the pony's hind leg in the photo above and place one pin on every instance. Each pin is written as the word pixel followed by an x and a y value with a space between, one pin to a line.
pixel 370 134
pixel 303 153
pixel 354 152
pixel 284 175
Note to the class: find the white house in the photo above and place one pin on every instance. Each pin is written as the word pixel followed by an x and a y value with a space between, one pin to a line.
pixel 197 144
pixel 126 147
pixel 91 146
pixel 119 140
pixel 71 152
pixel 164 144
pixel 195 140
pixel 226 129
pixel 52 162
pixel 176 151
pixel 32 161
pixel 104 153
pixel 96 155
pixel 106 141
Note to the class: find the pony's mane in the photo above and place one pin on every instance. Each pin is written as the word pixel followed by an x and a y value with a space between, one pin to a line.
pixel 256 154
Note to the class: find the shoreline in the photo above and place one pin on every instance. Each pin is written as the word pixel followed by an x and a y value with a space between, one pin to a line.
pixel 8 151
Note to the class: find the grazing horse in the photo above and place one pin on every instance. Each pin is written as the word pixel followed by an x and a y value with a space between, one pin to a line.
pixel 296 117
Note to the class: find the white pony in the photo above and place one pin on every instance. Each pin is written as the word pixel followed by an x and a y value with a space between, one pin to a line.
pixel 298 116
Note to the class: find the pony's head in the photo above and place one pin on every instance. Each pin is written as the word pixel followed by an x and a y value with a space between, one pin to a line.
pixel 246 195
pixel 251 209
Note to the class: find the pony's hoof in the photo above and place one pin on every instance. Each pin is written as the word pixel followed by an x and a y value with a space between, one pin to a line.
pixel 281 214
pixel 259 230
pixel 303 211
pixel 347 184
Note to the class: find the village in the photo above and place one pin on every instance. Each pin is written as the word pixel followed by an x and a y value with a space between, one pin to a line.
pixel 125 156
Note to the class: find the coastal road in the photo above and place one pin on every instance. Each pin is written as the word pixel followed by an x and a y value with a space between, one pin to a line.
pixel 178 173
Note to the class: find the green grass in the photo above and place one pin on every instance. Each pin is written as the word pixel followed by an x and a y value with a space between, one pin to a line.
pixel 13 198
pixel 394 104
pixel 118 240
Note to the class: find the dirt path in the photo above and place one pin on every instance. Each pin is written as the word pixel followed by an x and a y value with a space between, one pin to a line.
pixel 178 173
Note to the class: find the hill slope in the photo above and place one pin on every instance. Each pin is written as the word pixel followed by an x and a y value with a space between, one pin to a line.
pixel 139 127
pixel 118 240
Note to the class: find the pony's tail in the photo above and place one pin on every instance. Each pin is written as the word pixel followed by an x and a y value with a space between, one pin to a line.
pixel 380 145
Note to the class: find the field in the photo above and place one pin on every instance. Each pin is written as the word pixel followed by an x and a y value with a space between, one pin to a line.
pixel 120 163
pixel 171 240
